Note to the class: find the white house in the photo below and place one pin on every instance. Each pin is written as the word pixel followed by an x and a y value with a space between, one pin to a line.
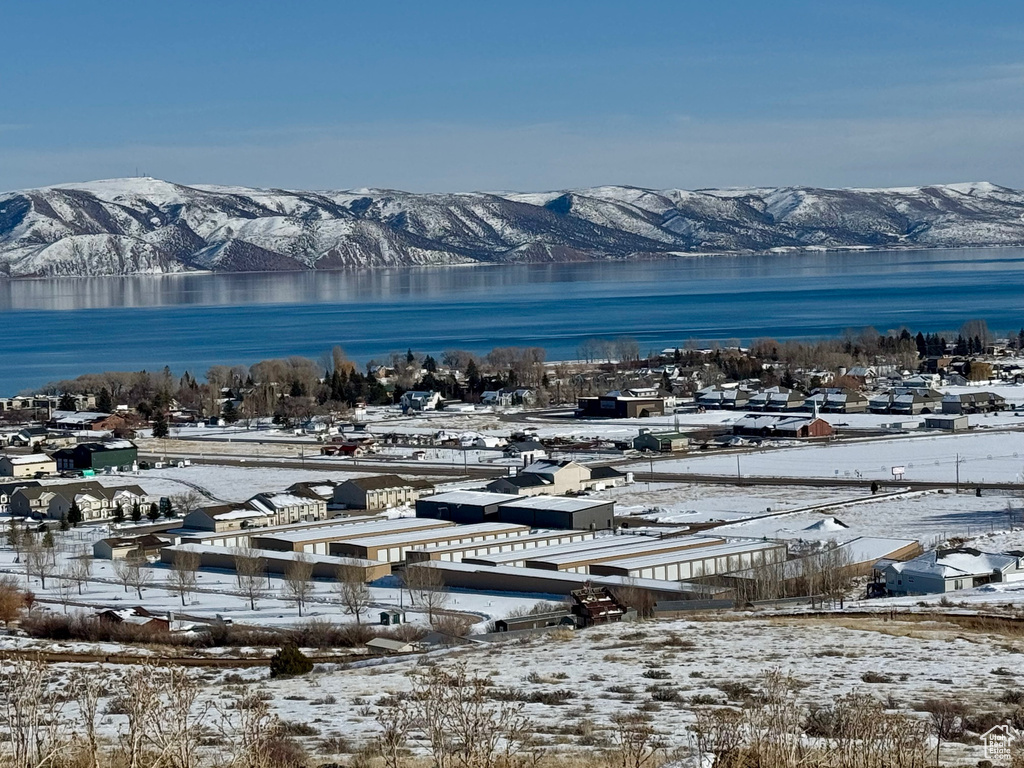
pixel 420 401
pixel 947 570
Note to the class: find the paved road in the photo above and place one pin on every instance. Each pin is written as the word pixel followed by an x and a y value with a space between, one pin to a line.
pixel 816 482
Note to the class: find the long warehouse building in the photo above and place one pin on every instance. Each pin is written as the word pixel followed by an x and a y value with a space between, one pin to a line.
pixel 463 506
pixel 694 563
pixel 454 553
pixel 575 557
pixel 580 561
pixel 242 537
pixel 533 581
pixel 317 541
pixel 324 567
pixel 393 547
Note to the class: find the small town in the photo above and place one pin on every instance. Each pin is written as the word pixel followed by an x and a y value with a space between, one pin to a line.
pixel 530 385
pixel 451 506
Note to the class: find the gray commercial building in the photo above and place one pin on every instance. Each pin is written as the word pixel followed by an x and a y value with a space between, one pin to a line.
pixel 465 506
pixel 559 512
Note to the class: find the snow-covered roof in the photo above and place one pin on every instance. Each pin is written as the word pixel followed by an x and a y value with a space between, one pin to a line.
pixel 472 497
pixel 34 458
pixel 949 564
pixel 556 503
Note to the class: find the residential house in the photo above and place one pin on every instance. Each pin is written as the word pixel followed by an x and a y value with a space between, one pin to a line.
pixel 723 397
pixel 776 399
pixel 907 401
pixel 660 442
pixel 28 465
pixel 781 427
pixel 290 507
pixel 547 476
pixel 837 400
pixel 420 401
pixel 95 501
pixel 380 492
pixel 947 570
pixel 7 489
pixel 528 450
pixel 973 402
pixel 29 437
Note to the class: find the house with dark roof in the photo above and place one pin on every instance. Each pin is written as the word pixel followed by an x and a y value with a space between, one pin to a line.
pixel 380 492
pixel 95 501
pixel 528 450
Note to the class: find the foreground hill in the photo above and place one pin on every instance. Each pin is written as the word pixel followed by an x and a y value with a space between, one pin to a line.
pixel 144 225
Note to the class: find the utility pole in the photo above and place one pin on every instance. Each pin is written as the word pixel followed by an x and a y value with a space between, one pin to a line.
pixel 958 473
pixel 739 475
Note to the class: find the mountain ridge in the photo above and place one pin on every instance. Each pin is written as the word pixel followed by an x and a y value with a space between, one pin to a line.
pixel 144 225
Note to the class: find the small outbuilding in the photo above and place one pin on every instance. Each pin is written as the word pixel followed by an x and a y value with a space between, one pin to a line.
pixel 947 422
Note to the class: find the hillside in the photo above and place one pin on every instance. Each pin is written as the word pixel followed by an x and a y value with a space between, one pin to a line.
pixel 144 225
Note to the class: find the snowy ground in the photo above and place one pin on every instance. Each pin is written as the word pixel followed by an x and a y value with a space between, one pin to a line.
pixel 217 592
pixel 692 503
pixel 666 669
pixel 984 457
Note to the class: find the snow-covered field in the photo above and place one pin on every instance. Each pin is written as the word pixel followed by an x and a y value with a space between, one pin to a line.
pixel 984 457
pixel 668 668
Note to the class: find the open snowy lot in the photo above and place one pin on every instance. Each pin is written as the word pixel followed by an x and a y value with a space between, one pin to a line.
pixel 984 457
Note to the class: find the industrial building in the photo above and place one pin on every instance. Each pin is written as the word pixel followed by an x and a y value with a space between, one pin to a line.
pixel 117 454
pixel 317 540
pixel 392 547
pixel 463 506
pixel 533 541
pixel 532 581
pixel 324 567
pixel 580 559
pixel 694 563
pixel 240 537
pixel 559 512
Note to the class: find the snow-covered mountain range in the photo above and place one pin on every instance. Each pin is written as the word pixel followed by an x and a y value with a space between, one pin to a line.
pixel 144 225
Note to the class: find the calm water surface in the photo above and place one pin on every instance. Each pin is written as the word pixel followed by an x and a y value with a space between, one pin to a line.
pixel 59 328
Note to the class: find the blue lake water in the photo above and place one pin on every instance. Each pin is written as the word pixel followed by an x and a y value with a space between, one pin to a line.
pixel 58 328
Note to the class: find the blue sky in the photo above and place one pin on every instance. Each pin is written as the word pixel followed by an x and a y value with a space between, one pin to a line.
pixel 452 96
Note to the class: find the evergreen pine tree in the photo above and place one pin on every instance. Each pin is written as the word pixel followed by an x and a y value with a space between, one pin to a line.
pixel 119 513
pixel 64 524
pixel 160 425
pixel 154 512
pixel 104 403
pixel 136 511
pixel 74 515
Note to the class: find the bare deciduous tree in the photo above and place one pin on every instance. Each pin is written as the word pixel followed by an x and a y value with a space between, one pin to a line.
pixel 38 562
pixel 352 591
pixel 81 570
pixel 298 581
pixel 183 577
pixel 250 575
pixel 137 572
pixel 426 587
pixel 186 502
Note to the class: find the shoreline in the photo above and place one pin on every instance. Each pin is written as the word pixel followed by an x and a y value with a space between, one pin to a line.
pixel 811 250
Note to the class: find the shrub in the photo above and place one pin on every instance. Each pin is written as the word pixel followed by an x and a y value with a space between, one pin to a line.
pixel 656 674
pixel 875 677
pixel 735 690
pixel 290 661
